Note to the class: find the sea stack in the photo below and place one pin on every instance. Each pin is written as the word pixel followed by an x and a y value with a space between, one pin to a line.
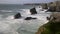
pixel 17 16
pixel 33 11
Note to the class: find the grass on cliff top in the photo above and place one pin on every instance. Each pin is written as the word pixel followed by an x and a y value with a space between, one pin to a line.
pixel 52 28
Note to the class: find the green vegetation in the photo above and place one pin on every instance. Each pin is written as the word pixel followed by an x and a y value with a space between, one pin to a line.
pixel 52 28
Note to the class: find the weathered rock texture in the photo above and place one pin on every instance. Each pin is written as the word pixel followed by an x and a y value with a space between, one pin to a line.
pixel 33 11
pixel 29 18
pixel 54 6
pixel 17 16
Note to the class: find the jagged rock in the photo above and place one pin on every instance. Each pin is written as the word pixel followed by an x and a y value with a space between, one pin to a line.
pixel 33 11
pixel 45 6
pixel 18 15
pixel 29 18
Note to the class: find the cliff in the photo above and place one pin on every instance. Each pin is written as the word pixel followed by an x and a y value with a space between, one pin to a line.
pixel 52 27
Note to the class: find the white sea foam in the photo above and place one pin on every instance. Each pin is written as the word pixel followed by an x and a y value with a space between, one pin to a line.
pixel 9 25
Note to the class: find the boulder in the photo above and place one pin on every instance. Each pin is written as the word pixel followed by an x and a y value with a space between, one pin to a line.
pixel 29 18
pixel 45 6
pixel 33 11
pixel 17 16
pixel 48 18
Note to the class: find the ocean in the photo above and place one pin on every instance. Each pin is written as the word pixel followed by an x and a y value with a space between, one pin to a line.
pixel 9 25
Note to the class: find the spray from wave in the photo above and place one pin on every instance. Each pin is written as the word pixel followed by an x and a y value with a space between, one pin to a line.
pixel 9 25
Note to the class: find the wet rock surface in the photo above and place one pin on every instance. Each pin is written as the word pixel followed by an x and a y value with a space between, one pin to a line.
pixel 17 16
pixel 33 11
pixel 29 18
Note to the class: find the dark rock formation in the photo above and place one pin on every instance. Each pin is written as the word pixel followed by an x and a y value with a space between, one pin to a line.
pixel 29 18
pixel 48 18
pixel 45 6
pixel 52 9
pixel 33 11
pixel 17 16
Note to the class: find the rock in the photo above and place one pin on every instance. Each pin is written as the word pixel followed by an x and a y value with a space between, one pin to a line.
pixel 44 6
pixel 55 17
pixel 58 9
pixel 51 9
pixel 48 18
pixel 29 18
pixel 33 11
pixel 52 27
pixel 49 28
pixel 54 6
pixel 17 16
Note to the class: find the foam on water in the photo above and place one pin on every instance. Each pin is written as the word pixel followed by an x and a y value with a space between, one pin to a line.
pixel 9 25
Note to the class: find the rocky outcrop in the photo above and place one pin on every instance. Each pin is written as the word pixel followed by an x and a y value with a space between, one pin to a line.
pixel 55 17
pixel 54 6
pixel 48 18
pixel 49 28
pixel 33 11
pixel 17 16
pixel 45 6
pixel 52 27
pixel 29 18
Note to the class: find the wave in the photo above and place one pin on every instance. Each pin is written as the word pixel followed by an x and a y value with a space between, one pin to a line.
pixel 9 25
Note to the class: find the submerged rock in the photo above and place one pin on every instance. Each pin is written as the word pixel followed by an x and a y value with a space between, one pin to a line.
pixel 33 11
pixel 17 16
pixel 29 18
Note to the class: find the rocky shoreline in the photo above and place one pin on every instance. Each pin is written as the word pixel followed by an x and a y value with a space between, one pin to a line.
pixel 52 27
pixel 52 6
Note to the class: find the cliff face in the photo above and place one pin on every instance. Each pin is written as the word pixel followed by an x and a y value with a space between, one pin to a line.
pixel 52 27
pixel 55 17
pixel 53 6
pixel 49 28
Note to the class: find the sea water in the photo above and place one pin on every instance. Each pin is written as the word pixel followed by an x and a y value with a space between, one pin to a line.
pixel 9 25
